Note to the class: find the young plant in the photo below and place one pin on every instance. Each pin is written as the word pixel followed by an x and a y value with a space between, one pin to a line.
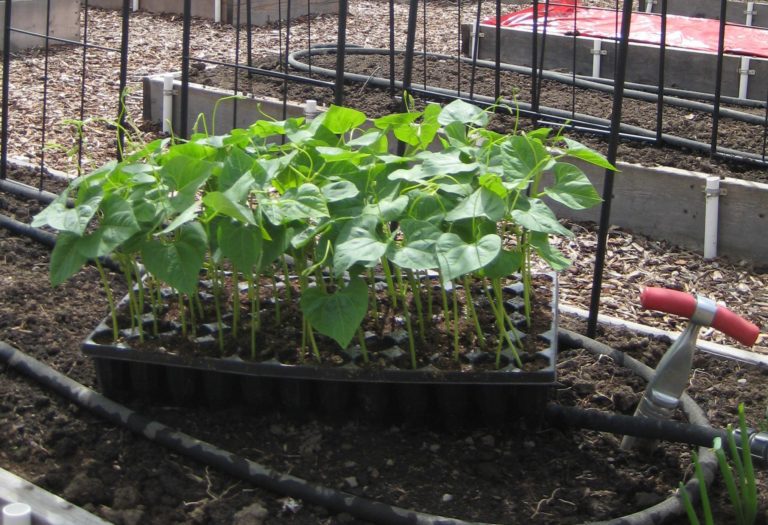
pixel 738 475
pixel 367 232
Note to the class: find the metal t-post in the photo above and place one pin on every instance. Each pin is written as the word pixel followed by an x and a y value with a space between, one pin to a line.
pixel 341 52
pixel 121 110
pixel 185 46
pixel 6 84
pixel 613 145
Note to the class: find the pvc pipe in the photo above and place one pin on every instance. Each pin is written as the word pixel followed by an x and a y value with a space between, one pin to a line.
pixel 310 109
pixel 474 40
pixel 711 213
pixel 217 11
pixel 649 6
pixel 167 103
pixel 743 77
pixel 135 5
pixel 750 13
pixel 597 53
pixel 17 514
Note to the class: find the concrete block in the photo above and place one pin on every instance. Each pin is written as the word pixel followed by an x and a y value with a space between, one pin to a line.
pixel 30 15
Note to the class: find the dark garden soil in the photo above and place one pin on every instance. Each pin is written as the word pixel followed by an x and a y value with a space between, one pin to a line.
pixel 515 473
pixel 376 101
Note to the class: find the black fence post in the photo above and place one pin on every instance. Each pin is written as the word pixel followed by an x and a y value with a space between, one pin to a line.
pixel 718 78
pixel 44 119
pixel 185 46
pixel 613 145
pixel 121 110
pixel 662 72
pixel 6 84
pixel 410 44
pixel 341 52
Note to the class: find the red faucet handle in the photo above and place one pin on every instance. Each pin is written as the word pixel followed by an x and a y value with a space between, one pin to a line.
pixel 702 311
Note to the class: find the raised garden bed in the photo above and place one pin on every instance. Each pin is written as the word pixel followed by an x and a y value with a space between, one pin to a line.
pixel 690 59
pixel 262 11
pixel 30 16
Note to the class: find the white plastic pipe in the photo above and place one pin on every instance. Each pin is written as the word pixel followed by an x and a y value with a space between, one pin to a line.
pixel 597 53
pixel 649 6
pixel 743 77
pixel 135 5
pixel 167 103
pixel 474 41
pixel 310 109
pixel 711 212
pixel 217 11
pixel 17 514
pixel 750 13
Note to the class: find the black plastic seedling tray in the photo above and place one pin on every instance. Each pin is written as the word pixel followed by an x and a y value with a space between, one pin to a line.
pixel 385 393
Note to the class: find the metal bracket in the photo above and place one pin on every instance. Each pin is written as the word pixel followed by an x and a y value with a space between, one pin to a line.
pixel 598 51
pixel 479 35
pixel 750 72
pixel 750 12
pixel 711 192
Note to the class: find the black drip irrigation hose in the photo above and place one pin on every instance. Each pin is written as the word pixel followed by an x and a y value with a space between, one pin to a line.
pixel 606 86
pixel 579 121
pixel 26 191
pixel 672 506
pixel 45 238
pixel 19 228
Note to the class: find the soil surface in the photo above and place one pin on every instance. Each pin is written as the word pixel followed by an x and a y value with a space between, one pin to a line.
pixel 518 472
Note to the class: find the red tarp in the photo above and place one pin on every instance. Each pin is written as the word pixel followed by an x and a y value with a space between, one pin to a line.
pixel 696 34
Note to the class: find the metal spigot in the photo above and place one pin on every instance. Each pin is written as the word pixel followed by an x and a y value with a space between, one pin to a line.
pixel 662 395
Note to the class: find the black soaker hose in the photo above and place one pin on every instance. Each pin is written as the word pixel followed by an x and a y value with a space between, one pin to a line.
pixel 326 497
pixel 28 192
pixel 20 228
pixel 562 116
pixel 45 238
